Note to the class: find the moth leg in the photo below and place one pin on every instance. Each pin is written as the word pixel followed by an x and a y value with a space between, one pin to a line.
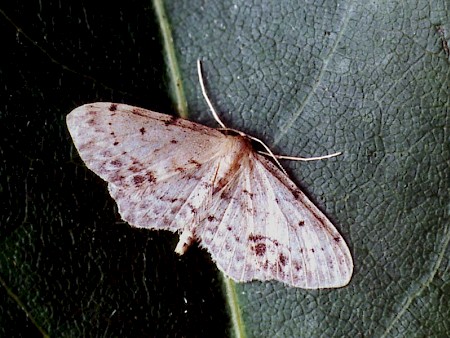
pixel 186 239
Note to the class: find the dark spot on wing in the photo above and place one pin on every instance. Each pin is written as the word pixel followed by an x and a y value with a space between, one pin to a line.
pixel 117 178
pixel 319 217
pixel 138 180
pixel 282 259
pixel 139 112
pixel 337 239
pixel 296 193
pixel 226 195
pixel 150 177
pixel 301 223
pixel 260 249
pixel 193 209
pixel 245 191
pixel 312 250
pixel 134 169
pixel 171 120
pixel 113 107
pixel 174 141
pixel 91 122
pixel 254 238
pixel 116 163
pixel 197 164
pixel 211 218
pixel 115 143
pixel 142 130
pixel 206 185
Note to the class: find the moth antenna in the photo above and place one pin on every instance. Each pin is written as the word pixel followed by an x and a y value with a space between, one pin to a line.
pixel 219 121
pixel 205 95
pixel 305 159
pixel 269 153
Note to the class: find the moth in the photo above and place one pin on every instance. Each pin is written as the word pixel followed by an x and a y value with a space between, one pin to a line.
pixel 210 186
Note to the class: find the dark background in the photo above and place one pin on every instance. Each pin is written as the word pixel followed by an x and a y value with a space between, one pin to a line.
pixel 68 265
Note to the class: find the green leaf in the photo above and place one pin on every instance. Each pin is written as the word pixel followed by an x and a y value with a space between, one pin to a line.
pixel 369 79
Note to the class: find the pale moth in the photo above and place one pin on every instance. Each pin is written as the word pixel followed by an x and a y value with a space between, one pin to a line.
pixel 210 186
